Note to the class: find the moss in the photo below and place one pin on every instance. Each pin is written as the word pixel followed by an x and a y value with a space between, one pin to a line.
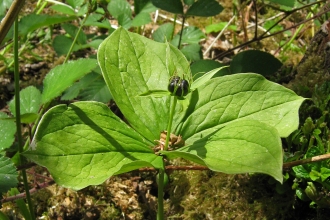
pixel 209 195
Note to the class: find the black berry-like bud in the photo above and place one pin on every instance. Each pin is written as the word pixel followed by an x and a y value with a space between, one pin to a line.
pixel 183 88
pixel 174 81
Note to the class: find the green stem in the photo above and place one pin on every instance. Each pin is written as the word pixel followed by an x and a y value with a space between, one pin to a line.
pixel 169 125
pixel 161 172
pixel 160 211
pixel 75 38
pixel 18 119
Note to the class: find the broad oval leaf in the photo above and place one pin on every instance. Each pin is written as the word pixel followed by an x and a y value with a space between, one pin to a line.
pixel 200 67
pixel 85 143
pixel 63 76
pixel 240 147
pixel 240 96
pixel 173 6
pixel 255 61
pixel 205 8
pixel 133 65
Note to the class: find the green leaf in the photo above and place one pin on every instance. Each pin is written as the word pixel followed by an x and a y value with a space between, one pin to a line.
pixel 73 91
pixel 219 27
pixel 156 93
pixel 125 21
pixel 143 6
pixel 94 20
pixel 302 195
pixel 63 76
pixel 240 96
pixel 29 118
pixel 76 3
pixel 72 31
pixel 4 5
pixel 8 174
pixel 192 52
pixel 200 67
pixel 314 175
pixel 325 173
pixel 23 209
pixel 64 9
pixel 119 7
pixel 141 19
pixel 163 33
pixel 32 22
pixel 173 6
pixel 7 131
pixel 188 2
pixel 205 8
pixel 85 143
pixel 62 45
pixel 301 172
pixel 30 101
pixel 240 147
pixel 3 216
pixel 96 91
pixel 206 77
pixel 190 35
pixel 255 61
pixel 139 5
pixel 121 10
pixel 133 65
pixel 288 3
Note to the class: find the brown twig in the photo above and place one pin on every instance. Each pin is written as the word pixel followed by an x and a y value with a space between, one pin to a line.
pixel 308 160
pixel 263 36
pixel 168 168
pixel 10 17
pixel 33 190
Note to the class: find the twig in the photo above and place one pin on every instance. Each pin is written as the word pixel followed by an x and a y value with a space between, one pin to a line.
pixel 10 17
pixel 308 160
pixel 219 35
pixel 270 35
pixel 171 167
pixel 33 190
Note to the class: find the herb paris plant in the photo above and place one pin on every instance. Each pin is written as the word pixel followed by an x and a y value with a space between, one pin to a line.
pixel 231 124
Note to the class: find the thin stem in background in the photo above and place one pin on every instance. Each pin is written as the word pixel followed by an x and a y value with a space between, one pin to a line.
pixel 18 119
pixel 256 18
pixel 174 23
pixel 76 37
pixel 287 45
pixel 182 27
